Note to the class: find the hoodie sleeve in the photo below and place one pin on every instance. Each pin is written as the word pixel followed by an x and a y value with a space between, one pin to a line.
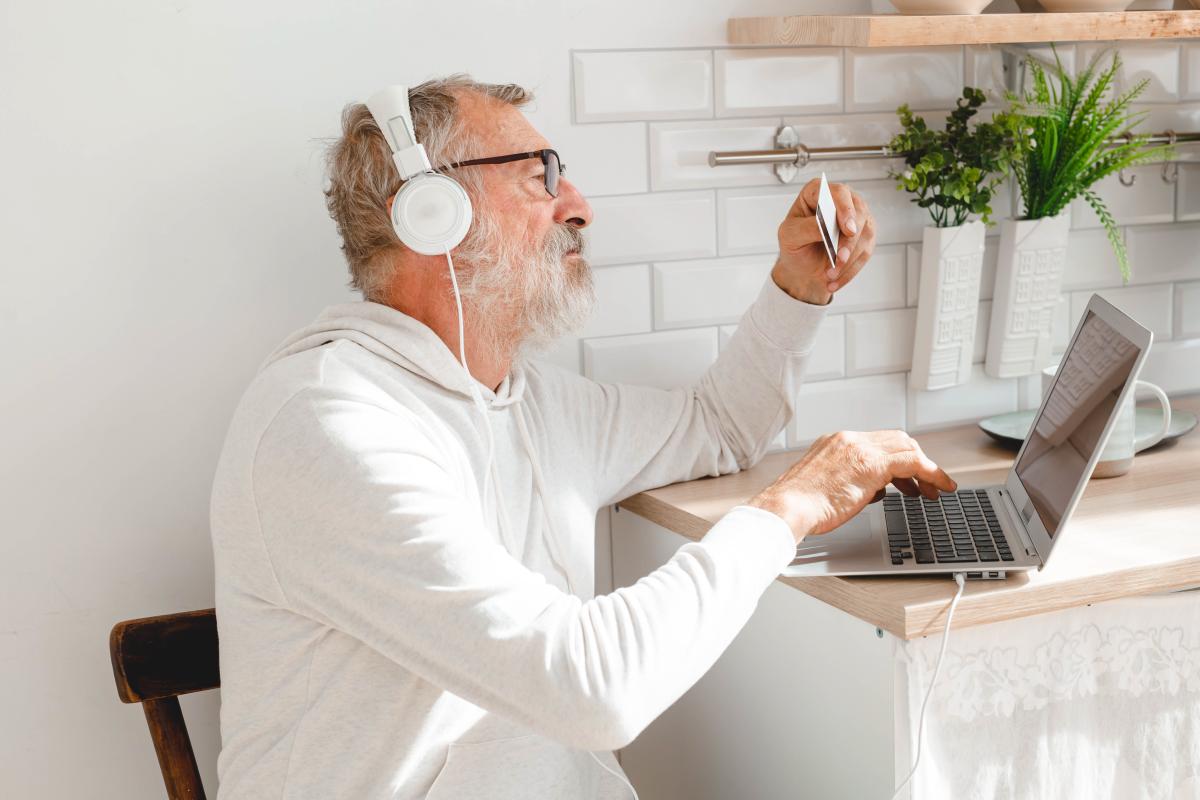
pixel 634 438
pixel 367 531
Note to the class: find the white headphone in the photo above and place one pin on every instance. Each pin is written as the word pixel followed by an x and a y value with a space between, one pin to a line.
pixel 432 212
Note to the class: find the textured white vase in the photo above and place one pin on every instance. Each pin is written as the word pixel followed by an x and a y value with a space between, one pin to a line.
pixel 1029 273
pixel 947 305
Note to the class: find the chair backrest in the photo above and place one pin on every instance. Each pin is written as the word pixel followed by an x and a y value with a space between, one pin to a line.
pixel 156 659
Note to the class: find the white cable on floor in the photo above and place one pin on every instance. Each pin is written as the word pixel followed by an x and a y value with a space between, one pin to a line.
pixel 960 579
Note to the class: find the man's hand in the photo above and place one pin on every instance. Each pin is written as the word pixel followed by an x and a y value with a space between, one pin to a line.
pixel 802 269
pixel 843 472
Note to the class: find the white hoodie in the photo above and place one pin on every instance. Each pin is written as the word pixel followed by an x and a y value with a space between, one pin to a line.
pixel 384 634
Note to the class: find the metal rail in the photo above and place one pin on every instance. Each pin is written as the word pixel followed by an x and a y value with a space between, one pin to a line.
pixel 801 154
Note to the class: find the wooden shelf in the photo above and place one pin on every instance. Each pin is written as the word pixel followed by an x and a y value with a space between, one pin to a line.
pixel 900 30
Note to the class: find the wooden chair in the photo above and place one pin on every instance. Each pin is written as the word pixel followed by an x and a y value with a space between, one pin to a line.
pixel 156 659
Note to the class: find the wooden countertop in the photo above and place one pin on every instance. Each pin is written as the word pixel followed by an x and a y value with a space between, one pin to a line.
pixel 1135 534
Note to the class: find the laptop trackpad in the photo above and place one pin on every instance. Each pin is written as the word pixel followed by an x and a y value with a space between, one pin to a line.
pixel 853 547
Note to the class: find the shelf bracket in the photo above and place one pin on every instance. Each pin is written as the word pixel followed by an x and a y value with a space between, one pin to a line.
pixel 786 138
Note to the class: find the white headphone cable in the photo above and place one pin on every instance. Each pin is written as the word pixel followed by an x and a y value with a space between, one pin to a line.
pixel 615 774
pixel 961 581
pixel 462 354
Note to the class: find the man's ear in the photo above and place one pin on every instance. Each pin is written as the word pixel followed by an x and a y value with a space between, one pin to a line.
pixel 391 200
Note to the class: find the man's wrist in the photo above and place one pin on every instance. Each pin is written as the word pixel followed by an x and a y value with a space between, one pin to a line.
pixel 797 514
pixel 812 292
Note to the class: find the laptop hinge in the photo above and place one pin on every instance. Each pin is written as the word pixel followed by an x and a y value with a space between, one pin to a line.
pixel 1014 517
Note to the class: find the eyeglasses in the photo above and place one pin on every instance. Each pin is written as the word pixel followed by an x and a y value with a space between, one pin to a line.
pixel 554 167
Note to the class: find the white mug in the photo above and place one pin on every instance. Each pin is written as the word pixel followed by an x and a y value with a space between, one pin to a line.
pixel 1123 443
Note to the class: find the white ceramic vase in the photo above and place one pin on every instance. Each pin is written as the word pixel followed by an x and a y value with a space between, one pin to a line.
pixel 947 305
pixel 1029 273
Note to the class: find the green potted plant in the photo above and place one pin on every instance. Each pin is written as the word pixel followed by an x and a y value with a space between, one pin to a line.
pixel 1068 124
pixel 954 174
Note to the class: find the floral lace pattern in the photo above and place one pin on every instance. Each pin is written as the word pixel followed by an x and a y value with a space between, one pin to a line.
pixel 1084 660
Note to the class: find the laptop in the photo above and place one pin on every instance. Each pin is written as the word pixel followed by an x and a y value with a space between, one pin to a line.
pixel 990 531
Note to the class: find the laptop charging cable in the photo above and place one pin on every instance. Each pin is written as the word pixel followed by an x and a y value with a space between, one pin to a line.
pixel 961 580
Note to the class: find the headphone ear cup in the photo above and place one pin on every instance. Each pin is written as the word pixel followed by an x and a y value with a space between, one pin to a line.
pixel 431 213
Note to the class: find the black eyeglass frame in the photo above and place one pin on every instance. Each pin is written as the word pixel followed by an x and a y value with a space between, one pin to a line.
pixel 544 155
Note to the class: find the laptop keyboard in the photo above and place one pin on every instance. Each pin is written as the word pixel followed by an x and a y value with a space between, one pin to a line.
pixel 959 527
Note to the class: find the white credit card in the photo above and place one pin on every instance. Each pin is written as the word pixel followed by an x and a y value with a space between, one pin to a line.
pixel 827 221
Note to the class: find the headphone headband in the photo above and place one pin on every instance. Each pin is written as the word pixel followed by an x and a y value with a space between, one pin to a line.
pixel 431 213
pixel 390 109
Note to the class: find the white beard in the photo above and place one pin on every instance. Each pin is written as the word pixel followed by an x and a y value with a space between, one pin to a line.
pixel 521 301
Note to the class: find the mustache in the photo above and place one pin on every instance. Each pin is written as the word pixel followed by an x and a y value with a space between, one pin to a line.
pixel 563 239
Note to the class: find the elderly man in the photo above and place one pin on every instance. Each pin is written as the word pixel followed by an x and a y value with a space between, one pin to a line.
pixel 394 622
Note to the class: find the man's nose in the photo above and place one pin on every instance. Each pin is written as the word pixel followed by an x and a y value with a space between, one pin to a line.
pixel 570 207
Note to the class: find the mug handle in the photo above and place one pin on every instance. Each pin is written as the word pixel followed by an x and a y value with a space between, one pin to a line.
pixel 1154 438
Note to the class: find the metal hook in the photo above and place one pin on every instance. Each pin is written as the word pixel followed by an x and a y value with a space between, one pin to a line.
pixel 1173 175
pixel 1131 179
pixel 1126 180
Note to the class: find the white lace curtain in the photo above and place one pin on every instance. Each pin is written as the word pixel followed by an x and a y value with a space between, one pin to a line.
pixel 1093 703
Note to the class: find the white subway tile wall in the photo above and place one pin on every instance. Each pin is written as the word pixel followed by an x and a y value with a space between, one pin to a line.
pixel 679 152
pixel 1155 63
pixel 778 81
pixel 1187 310
pixel 880 341
pixel 638 84
pixel 1149 305
pixel 1187 191
pixel 984 66
pixel 874 402
pixel 979 397
pixel 680 249
pixel 748 219
pixel 1190 72
pixel 688 294
pixel 880 283
pixel 1172 365
pixel 622 301
pixel 603 159
pixel 1149 199
pixel 1163 252
pixel 1091 262
pixel 650 227
pixel 881 79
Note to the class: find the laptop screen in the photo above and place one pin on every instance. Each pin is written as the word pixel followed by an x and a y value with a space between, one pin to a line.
pixel 1067 430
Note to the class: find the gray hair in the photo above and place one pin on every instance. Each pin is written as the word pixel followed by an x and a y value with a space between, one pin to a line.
pixel 362 175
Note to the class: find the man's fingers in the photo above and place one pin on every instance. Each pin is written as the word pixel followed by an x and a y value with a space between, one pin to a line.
pixel 806 200
pixel 843 201
pixel 859 250
pixel 915 464
pixel 846 274
pixel 907 486
pixel 798 232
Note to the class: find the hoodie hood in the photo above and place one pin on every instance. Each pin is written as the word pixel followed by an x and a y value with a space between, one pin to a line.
pixel 402 340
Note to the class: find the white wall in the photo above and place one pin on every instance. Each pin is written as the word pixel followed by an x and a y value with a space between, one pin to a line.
pixel 162 227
